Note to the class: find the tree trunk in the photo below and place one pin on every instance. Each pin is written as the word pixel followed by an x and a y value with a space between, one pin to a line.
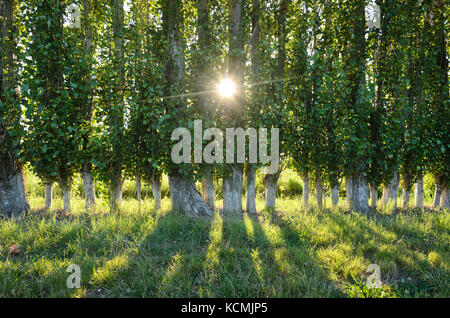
pixel 418 199
pixel 65 188
pixel 186 198
pixel 373 195
pixel 13 199
pixel 88 181
pixel 305 189
pixel 156 190
pixel 407 185
pixel 359 201
pixel 232 191
pixel 116 193
pixel 48 196
pixel 405 197
pixel 445 198
pixel 335 195
pixel 319 192
pixel 271 185
pixel 437 193
pixel 348 189
pixel 89 189
pixel 250 170
pixel 116 114
pixel 138 189
pixel 208 189
pixel 390 192
pixel 250 180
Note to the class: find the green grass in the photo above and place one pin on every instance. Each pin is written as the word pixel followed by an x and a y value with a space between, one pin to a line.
pixel 289 253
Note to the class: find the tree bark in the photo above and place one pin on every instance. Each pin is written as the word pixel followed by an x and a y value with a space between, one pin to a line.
pixel 250 170
pixel 418 199
pixel 250 180
pixel 89 188
pixel 117 113
pixel 156 190
pixel 319 192
pixel 48 196
pixel 373 195
pixel 305 189
pixel 359 201
pixel 348 189
pixel 406 193
pixel 13 200
pixel 271 185
pixel 232 191
pixel 208 189
pixel 405 198
pixel 186 198
pixel 138 189
pixel 116 193
pixel 437 193
pixel 390 192
pixel 445 198
pixel 65 188
pixel 335 195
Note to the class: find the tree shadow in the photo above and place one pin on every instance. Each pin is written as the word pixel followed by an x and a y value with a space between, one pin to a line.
pixel 402 260
pixel 168 260
pixel 298 269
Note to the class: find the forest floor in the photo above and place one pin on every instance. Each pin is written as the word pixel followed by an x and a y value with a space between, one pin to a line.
pixel 292 252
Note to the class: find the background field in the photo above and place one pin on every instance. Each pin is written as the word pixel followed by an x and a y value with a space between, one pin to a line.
pixel 292 252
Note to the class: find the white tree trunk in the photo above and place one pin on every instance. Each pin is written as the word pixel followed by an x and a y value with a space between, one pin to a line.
pixel 138 190
pixel 406 193
pixel 186 198
pixel 270 186
pixel 348 189
pixel 418 198
pixel 305 189
pixel 13 199
pixel 116 193
pixel 89 191
pixel 319 192
pixel 390 191
pixel 250 180
pixel 208 190
pixel 405 198
pixel 373 195
pixel 445 198
pixel 437 194
pixel 156 190
pixel 65 188
pixel 359 201
pixel 48 196
pixel 232 191
pixel 335 195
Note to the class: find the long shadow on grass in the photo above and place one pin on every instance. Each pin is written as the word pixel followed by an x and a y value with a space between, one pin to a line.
pixel 260 259
pixel 299 274
pixel 230 269
pixel 119 255
pixel 389 250
pixel 168 260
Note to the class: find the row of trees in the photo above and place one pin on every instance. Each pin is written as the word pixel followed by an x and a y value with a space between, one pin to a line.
pixel 355 101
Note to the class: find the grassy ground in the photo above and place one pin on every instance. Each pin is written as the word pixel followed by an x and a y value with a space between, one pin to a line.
pixel 289 253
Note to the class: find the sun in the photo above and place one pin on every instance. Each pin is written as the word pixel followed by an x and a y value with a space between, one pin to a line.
pixel 226 88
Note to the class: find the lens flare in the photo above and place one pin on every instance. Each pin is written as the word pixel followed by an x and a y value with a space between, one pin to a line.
pixel 226 88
